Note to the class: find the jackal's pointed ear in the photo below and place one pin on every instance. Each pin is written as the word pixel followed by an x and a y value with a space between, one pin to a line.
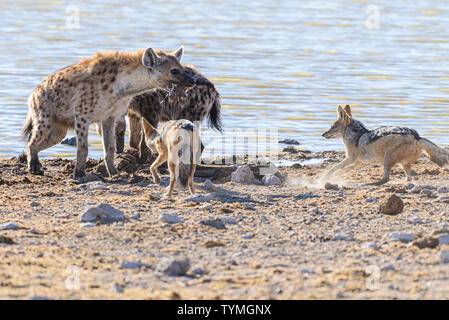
pixel 340 112
pixel 178 53
pixel 147 128
pixel 150 58
pixel 348 110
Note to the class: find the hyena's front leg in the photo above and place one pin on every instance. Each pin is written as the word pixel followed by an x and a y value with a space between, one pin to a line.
pixel 108 128
pixel 81 130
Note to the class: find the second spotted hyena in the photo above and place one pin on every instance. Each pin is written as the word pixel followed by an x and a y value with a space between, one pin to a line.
pixel 95 90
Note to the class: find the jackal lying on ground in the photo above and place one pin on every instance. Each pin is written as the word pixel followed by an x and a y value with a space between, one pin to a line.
pixel 194 103
pixel 177 141
pixel 390 145
pixel 95 90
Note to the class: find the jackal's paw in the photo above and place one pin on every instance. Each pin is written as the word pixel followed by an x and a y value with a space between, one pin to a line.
pixel 157 179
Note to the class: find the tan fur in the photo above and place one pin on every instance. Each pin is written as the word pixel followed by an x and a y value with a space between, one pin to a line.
pixel 95 90
pixel 167 143
pixel 391 149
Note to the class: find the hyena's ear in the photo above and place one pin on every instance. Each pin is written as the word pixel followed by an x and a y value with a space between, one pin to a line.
pixel 348 110
pixel 147 128
pixel 150 58
pixel 178 53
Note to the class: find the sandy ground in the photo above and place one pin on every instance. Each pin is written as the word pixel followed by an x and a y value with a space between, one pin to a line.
pixel 293 241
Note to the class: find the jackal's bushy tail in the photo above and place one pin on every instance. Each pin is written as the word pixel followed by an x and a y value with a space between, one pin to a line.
pixel 27 128
pixel 435 153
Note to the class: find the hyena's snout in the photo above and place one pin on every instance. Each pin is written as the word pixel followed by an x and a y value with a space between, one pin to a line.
pixel 188 79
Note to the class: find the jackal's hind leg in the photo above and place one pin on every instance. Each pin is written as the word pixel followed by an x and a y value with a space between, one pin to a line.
pixel 191 187
pixel 172 170
pixel 407 168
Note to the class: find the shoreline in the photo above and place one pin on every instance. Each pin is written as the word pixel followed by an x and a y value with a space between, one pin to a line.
pixel 297 240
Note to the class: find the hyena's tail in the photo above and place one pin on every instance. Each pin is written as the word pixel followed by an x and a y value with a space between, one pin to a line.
pixel 215 115
pixel 27 128
pixel 435 153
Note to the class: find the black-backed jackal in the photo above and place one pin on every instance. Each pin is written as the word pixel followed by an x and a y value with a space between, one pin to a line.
pixel 177 142
pixel 387 145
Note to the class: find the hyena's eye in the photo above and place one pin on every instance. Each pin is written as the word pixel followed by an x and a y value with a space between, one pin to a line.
pixel 175 71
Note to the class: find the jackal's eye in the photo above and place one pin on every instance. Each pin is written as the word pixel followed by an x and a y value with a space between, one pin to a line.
pixel 175 71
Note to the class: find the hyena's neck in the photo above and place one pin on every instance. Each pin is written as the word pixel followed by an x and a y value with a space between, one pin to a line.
pixel 133 81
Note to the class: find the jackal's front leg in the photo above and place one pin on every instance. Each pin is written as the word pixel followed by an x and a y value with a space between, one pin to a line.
pixel 341 165
pixel 107 128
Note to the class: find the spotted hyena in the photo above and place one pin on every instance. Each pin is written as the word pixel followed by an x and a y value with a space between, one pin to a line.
pixel 193 104
pixel 95 90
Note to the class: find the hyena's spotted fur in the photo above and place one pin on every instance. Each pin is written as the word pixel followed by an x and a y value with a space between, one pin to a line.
pixel 194 104
pixel 95 90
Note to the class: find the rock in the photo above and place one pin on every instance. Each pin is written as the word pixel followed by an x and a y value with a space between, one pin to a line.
pixel 133 265
pixel 415 220
pixel 307 271
pixel 289 141
pixel 401 236
pixel 9 226
pixel 34 204
pixel 444 256
pixel 388 267
pixel 290 149
pixel 170 218
pixel 416 189
pixel 444 199
pixel 201 197
pixel 443 239
pixel 228 220
pixel 370 245
pixel 103 213
pixel 69 141
pixel 88 225
pixel 243 175
pixel 410 186
pixel 344 237
pixel 330 186
pixel 178 267
pixel 198 271
pixel 391 206
pixel 271 180
pixel 116 288
pixel 80 235
pixel 248 206
pixel 426 242
pixel 443 190
pixel 214 223
pixel 428 193
pixel 95 185
pixel 248 236
pixel 209 186
pixel 369 199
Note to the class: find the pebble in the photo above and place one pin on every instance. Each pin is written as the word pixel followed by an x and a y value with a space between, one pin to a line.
pixel 95 185
pixel 271 180
pixel 248 236
pixel 103 213
pixel 116 288
pixel 214 223
pixel 209 186
pixel 428 193
pixel 9 226
pixel 248 206
pixel 307 271
pixel 392 205
pixel 388 267
pixel 201 197
pixel 370 245
pixel 444 256
pixel 228 220
pixel 177 267
pixel 80 235
pixel 444 199
pixel 88 225
pixel 330 186
pixel 415 220
pixel 198 271
pixel 410 186
pixel 401 236
pixel 133 265
pixel 369 199
pixel 170 218
pixel 416 190
pixel 289 141
pixel 243 175
pixel 443 190
pixel 344 237
pixel 426 242
pixel 443 239
pixel 34 204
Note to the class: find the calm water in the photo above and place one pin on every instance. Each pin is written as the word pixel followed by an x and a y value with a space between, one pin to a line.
pixel 282 65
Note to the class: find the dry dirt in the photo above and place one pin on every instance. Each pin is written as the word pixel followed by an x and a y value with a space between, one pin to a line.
pixel 293 241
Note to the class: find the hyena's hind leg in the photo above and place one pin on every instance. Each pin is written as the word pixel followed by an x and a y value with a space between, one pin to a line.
pixel 45 134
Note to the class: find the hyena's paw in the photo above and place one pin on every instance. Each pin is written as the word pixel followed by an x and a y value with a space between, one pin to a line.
pixel 35 167
pixel 112 171
pixel 79 174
